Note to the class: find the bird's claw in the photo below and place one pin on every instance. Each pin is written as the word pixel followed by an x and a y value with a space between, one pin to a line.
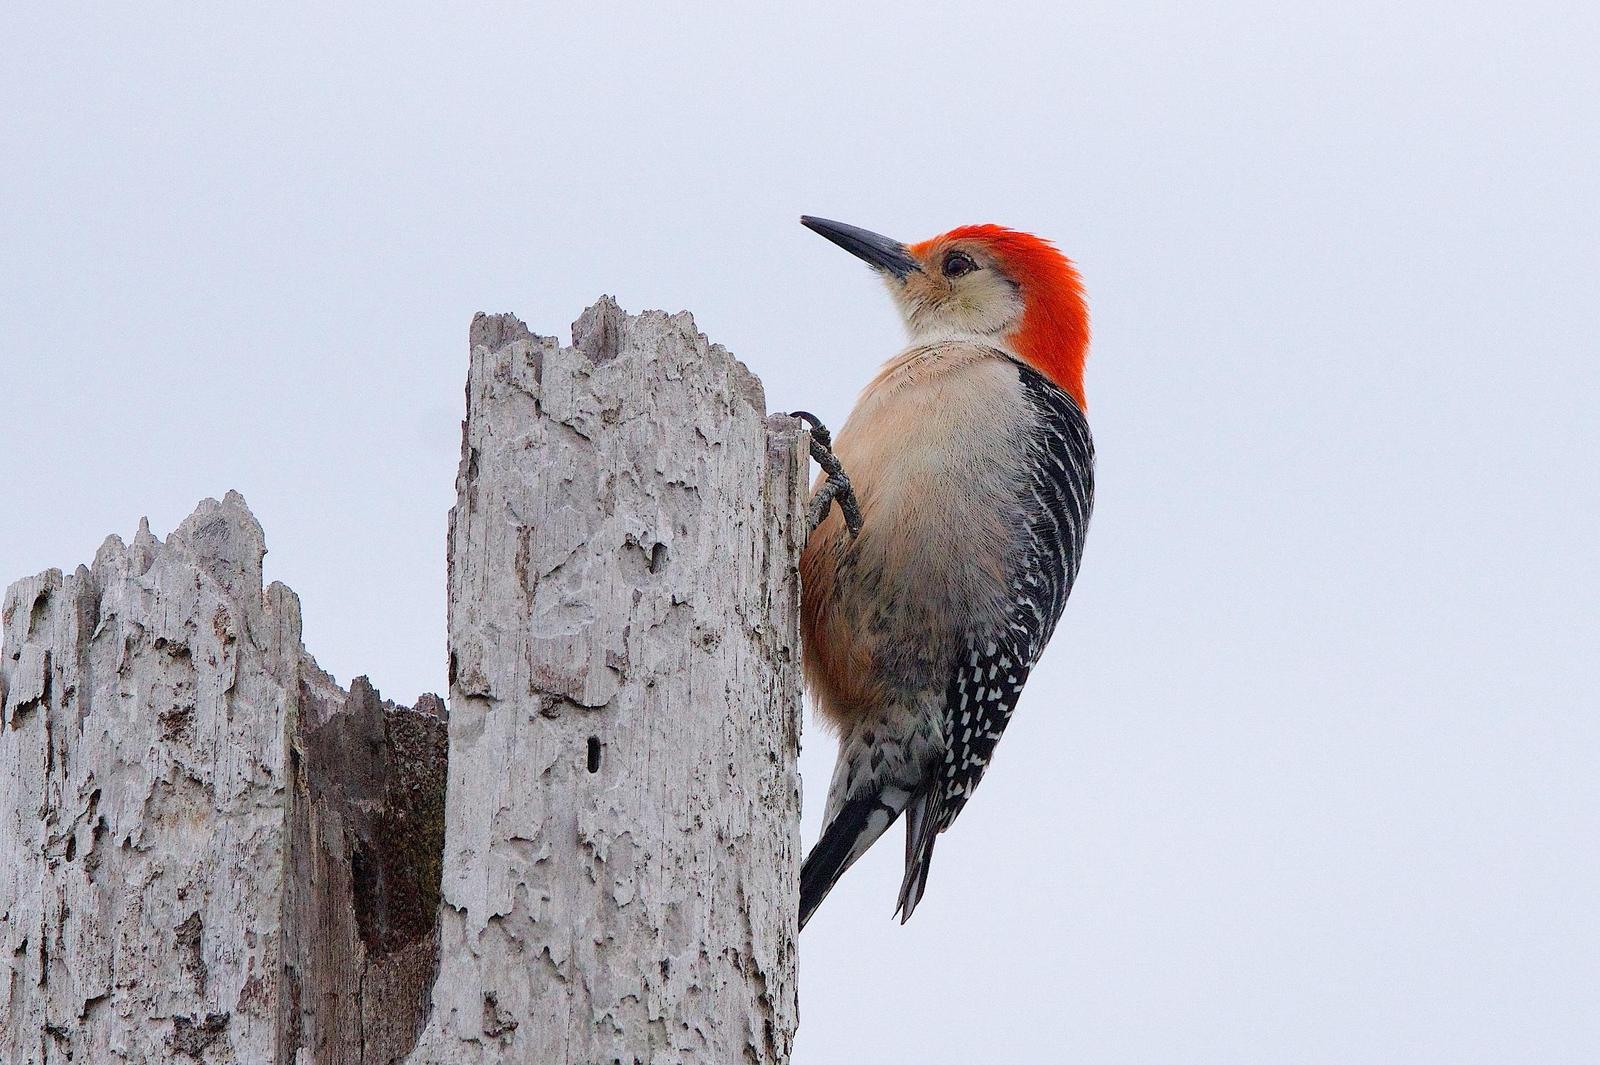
pixel 837 486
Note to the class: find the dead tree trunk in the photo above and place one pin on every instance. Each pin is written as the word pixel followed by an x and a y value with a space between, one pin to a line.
pixel 213 853
pixel 620 857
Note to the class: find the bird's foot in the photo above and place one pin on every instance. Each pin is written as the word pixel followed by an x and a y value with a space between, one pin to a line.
pixel 837 487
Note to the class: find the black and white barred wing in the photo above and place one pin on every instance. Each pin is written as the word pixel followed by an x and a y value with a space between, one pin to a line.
pixel 994 664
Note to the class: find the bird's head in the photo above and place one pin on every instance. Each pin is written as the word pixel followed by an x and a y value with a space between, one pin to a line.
pixel 983 283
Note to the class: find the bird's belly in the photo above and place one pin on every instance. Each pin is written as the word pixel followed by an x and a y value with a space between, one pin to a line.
pixel 933 449
pixel 935 541
pixel 929 564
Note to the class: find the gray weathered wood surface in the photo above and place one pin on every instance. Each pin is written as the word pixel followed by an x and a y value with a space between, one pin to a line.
pixel 213 853
pixel 183 797
pixel 623 805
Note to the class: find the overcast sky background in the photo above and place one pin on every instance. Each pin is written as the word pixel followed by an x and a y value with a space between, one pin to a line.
pixel 1311 772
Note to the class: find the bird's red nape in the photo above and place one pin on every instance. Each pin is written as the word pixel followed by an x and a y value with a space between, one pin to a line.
pixel 1054 334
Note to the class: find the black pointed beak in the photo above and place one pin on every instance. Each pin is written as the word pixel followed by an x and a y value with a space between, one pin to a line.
pixel 875 249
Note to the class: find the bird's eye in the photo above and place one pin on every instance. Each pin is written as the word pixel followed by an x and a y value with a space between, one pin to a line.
pixel 958 263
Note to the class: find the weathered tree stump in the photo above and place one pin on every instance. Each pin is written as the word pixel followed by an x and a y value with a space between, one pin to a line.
pixel 216 854
pixel 212 851
pixel 623 807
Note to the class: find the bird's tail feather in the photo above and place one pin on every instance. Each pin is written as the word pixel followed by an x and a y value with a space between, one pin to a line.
pixel 924 822
pixel 857 825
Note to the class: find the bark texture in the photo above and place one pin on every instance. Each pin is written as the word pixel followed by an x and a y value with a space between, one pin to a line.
pixel 212 852
pixel 623 803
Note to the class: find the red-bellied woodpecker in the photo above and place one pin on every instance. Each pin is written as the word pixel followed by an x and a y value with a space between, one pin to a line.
pixel 972 465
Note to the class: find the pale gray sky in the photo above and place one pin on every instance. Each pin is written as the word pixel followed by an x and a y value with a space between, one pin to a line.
pixel 1311 772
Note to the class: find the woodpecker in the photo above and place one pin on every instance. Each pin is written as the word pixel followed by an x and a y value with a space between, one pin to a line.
pixel 971 462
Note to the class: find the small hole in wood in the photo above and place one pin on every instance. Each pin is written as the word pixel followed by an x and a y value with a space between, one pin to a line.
pixel 594 754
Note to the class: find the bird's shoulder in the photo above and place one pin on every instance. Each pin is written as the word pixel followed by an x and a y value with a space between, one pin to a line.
pixel 1063 423
pixel 941 365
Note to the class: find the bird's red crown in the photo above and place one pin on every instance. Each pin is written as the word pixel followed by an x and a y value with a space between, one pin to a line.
pixel 1054 333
